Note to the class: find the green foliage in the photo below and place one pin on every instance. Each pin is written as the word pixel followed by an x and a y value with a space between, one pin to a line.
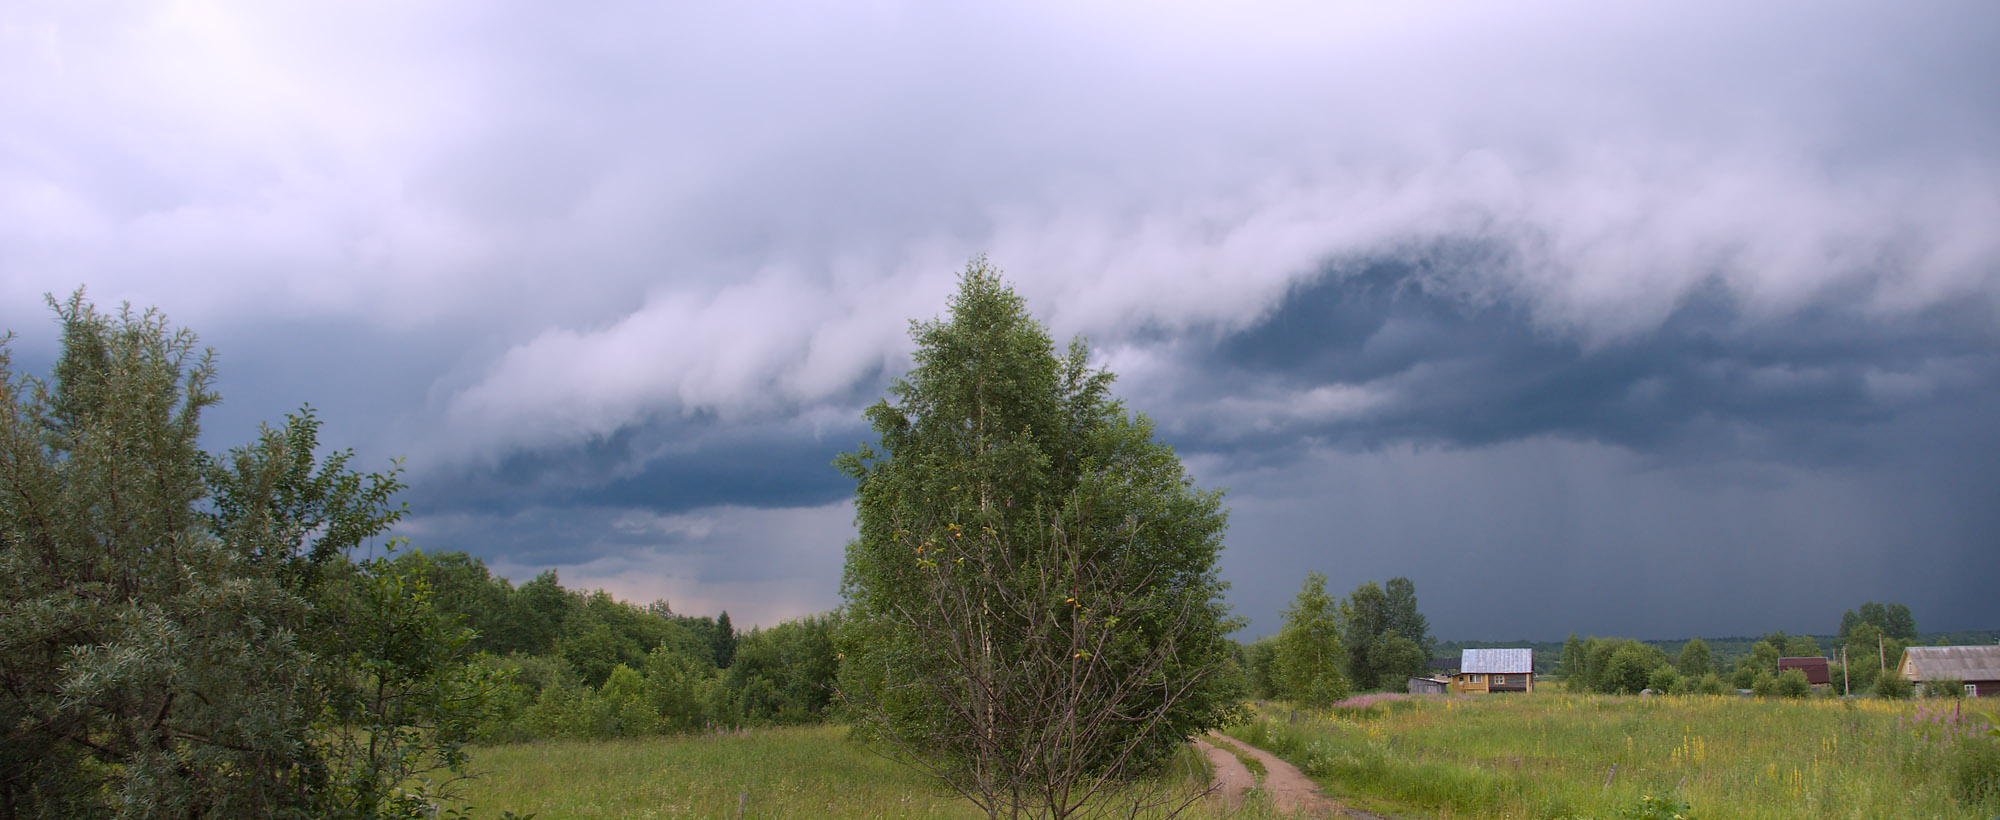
pixel 1627 670
pixel 608 669
pixel 1572 663
pixel 1891 620
pixel 404 698
pixel 1387 639
pixel 1792 683
pixel 1665 679
pixel 1364 615
pixel 1765 685
pixel 723 644
pixel 1944 687
pixel 1694 659
pixel 1764 656
pixel 1309 654
pixel 1709 684
pixel 1404 617
pixel 1869 653
pixel 1746 675
pixel 1975 770
pixel 184 636
pixel 1657 807
pixel 678 687
pixel 1396 659
pixel 1614 665
pixel 785 674
pixel 1260 663
pixel 1894 687
pixel 1028 557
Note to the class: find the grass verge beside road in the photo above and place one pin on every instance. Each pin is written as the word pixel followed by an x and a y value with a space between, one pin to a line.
pixel 1547 756
pixel 771 773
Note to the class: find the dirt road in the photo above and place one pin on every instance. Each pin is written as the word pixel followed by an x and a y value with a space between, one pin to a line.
pixel 1232 778
pixel 1290 790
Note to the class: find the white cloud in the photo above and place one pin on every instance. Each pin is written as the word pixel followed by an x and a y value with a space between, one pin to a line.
pixel 675 211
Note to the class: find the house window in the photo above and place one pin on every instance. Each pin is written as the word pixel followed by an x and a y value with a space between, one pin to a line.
pixel 1473 678
pixel 1971 690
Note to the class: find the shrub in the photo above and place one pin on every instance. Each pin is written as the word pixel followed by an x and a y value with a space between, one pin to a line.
pixel 1764 685
pixel 1665 679
pixel 1944 688
pixel 1894 687
pixel 1627 671
pixel 1793 684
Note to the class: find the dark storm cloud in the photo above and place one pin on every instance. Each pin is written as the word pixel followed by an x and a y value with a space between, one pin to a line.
pixel 663 467
pixel 1706 382
pixel 617 281
pixel 1536 537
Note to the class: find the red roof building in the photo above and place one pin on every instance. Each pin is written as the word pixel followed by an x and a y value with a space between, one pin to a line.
pixel 1815 669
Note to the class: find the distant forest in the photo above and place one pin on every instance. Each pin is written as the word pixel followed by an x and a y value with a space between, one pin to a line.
pixel 569 663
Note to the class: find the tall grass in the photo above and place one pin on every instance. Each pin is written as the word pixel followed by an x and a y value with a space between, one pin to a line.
pixel 804 772
pixel 1545 756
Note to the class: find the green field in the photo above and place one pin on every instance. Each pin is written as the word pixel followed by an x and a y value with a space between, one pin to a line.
pixel 810 772
pixel 1532 757
pixel 1545 756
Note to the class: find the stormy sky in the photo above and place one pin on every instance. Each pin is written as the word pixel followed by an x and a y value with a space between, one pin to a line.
pixel 1652 322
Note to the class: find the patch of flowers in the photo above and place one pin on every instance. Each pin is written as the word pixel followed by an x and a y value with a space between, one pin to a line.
pixel 1943 724
pixel 1370 699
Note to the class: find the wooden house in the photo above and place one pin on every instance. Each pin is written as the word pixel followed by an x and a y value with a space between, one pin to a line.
pixel 1816 669
pixel 1429 686
pixel 1978 667
pixel 1494 670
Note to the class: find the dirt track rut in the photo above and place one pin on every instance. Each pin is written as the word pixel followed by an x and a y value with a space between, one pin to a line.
pixel 1290 790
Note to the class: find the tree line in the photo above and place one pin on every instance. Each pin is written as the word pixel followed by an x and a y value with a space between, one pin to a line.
pixel 574 664
pixel 1862 659
pixel 1373 640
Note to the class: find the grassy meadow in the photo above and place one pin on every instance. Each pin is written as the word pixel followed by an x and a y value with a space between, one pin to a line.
pixel 803 772
pixel 1546 755
pixel 1516 757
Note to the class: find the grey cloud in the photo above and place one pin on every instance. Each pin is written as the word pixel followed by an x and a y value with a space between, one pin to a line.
pixel 1536 537
pixel 762 565
pixel 555 255
pixel 664 467
pixel 558 180
pixel 1434 368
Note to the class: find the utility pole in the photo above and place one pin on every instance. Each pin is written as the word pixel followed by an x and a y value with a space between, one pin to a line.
pixel 1846 683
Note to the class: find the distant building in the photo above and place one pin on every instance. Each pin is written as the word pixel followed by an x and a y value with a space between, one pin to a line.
pixel 1816 669
pixel 1495 670
pixel 1978 667
pixel 1429 686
